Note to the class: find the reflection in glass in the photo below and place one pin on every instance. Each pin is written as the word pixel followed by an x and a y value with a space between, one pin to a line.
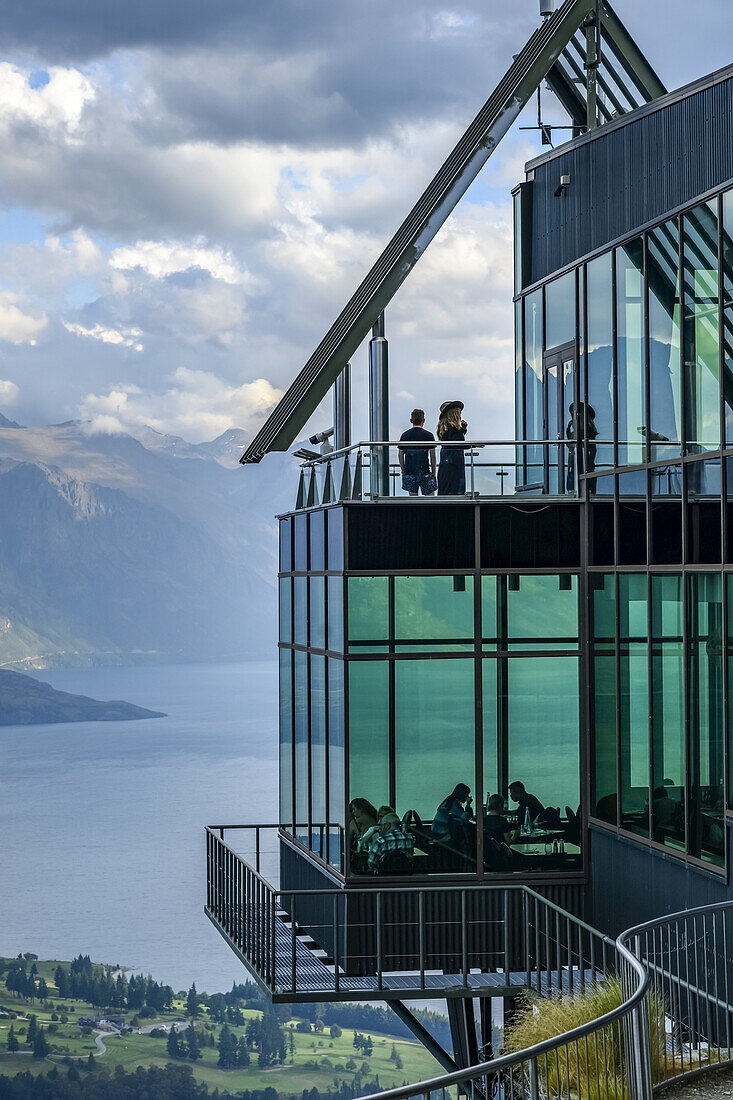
pixel 368 609
pixel 600 355
pixel 634 707
pixel 560 311
pixel 630 352
pixel 336 760
pixel 369 731
pixel 519 420
pixel 489 624
pixel 728 312
pixel 433 608
pixel 286 610
pixel 542 612
pixel 668 712
pixel 318 754
pixel 700 248
pixel 301 778
pixel 534 424
pixel 489 710
pixel 729 597
pixel 707 820
pixel 604 696
pixel 435 752
pixel 286 738
pixel 664 341
pixel 300 608
pixel 335 614
pixel 317 612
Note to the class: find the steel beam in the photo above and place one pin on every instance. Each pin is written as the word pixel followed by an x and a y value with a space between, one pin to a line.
pixel 441 1056
pixel 629 55
pixel 432 209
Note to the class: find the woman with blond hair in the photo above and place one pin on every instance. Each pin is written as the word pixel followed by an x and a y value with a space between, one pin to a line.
pixel 452 470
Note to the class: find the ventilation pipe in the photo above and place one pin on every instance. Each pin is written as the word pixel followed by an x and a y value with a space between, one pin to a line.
pixel 342 409
pixel 379 408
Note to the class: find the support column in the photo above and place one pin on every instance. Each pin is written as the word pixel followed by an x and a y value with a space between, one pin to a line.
pixel 591 69
pixel 379 408
pixel 342 409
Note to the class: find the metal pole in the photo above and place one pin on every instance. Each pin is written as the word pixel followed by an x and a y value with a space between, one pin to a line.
pixel 342 409
pixel 591 69
pixel 379 408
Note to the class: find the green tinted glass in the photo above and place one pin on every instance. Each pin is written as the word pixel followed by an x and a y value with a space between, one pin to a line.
pixel 541 611
pixel 336 614
pixel 368 609
pixel 286 738
pixel 369 731
pixel 286 609
pixel 317 613
pixel 433 608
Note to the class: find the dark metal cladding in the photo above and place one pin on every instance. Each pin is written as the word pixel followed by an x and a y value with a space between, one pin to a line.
pixel 422 223
pixel 631 172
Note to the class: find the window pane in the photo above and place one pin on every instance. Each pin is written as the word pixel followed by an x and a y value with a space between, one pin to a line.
pixel 518 389
pixel 286 550
pixel 286 738
pixel 433 607
pixel 604 696
pixel 335 527
pixel 701 327
pixel 543 731
pixel 300 618
pixel 318 541
pixel 517 198
pixel 668 715
pixel 368 609
pixel 728 313
pixel 630 352
pixel 335 614
pixel 286 609
pixel 534 425
pixel 301 778
pixel 634 703
pixel 317 613
pixel 318 755
pixel 729 590
pixel 435 752
pixel 707 821
pixel 541 611
pixel 336 775
pixel 488 609
pixel 560 310
pixel 300 543
pixel 368 736
pixel 490 731
pixel 600 359
pixel 664 341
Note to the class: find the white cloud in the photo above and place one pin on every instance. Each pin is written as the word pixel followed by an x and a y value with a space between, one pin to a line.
pixel 128 338
pixel 161 258
pixel 198 406
pixel 59 104
pixel 8 392
pixel 16 326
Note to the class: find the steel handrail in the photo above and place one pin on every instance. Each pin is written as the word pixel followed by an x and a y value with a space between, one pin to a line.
pixel 366 444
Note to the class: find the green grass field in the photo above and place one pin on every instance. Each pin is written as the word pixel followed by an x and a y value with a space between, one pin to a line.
pixel 131 1051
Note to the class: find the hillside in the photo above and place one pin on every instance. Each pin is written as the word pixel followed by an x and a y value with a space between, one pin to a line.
pixel 124 550
pixel 26 701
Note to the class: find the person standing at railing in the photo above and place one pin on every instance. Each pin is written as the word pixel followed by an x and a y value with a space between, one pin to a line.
pixel 417 463
pixel 452 470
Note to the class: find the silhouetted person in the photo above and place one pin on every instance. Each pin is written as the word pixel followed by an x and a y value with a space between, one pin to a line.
pixel 525 802
pixel 583 454
pixel 496 825
pixel 453 814
pixel 417 463
pixel 452 470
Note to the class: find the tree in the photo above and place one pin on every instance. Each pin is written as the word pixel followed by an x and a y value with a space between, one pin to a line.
pixel 192 1001
pixel 90 1061
pixel 242 1052
pixel 32 1029
pixel 13 1043
pixel 40 1045
pixel 335 1031
pixel 43 989
pixel 291 1043
pixel 318 1025
pixel 228 1048
pixel 217 1007
pixel 192 1040
pixel 393 1054
pixel 173 1046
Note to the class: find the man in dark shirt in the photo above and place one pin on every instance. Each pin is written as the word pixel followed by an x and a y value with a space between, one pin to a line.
pixel 418 463
pixel 526 801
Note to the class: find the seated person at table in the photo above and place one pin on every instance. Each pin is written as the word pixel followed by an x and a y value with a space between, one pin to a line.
pixel 389 844
pixel 496 825
pixel 452 817
pixel 362 817
pixel 525 803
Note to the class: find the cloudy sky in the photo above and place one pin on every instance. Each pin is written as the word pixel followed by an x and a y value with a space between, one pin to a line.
pixel 190 191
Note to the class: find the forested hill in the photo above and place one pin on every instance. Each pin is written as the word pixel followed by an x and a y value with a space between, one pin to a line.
pixel 26 701
pixel 119 550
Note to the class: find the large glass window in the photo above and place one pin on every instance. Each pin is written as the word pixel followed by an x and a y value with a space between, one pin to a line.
pixel 604 697
pixel 368 737
pixel 542 612
pixel 600 362
pixel 336 614
pixel 728 313
pixel 301 778
pixel 300 608
pixel 286 609
pixel 542 727
pixel 317 612
pixel 336 762
pixel 729 597
pixel 630 352
pixel 560 311
pixel 633 702
pixel 700 329
pixel 534 420
pixel 665 384
pixel 668 712
pixel 435 756
pixel 286 738
pixel 368 610
pixel 707 820
pixel 437 609
pixel 318 754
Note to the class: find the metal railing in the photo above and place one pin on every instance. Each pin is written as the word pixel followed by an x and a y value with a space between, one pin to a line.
pixel 371 470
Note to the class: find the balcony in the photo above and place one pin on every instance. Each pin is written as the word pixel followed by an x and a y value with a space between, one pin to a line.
pixel 377 943
pixel 494 468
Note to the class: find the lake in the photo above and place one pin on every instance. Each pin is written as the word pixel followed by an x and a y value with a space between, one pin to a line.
pixel 102 822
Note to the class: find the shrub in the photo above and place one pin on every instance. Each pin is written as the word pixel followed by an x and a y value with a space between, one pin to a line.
pixel 146 1012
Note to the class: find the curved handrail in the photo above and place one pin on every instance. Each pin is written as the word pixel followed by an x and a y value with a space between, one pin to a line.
pixel 531 1054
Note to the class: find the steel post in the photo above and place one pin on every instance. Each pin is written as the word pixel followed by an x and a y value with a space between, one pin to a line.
pixel 379 409
pixel 342 409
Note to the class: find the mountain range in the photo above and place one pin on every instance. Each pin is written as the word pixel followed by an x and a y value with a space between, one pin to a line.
pixel 119 549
